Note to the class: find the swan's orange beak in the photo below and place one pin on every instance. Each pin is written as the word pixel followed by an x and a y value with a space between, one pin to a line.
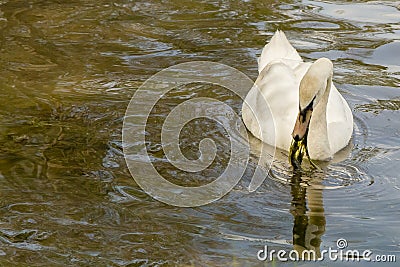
pixel 299 143
pixel 302 122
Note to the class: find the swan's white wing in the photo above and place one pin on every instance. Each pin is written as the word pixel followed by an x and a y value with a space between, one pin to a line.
pixel 339 120
pixel 279 48
pixel 277 88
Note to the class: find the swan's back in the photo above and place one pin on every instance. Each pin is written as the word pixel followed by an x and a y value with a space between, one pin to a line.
pixel 279 49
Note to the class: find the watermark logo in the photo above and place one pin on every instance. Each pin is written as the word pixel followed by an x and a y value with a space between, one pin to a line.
pixel 134 127
pixel 341 243
pixel 340 253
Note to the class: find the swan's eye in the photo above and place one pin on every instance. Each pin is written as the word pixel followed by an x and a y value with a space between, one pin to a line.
pixel 308 108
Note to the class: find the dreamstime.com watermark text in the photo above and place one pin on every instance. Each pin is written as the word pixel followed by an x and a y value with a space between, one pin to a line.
pixel 340 253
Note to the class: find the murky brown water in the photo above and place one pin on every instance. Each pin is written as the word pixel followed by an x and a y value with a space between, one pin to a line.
pixel 67 72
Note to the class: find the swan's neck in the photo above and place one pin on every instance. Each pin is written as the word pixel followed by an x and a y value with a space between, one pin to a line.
pixel 318 140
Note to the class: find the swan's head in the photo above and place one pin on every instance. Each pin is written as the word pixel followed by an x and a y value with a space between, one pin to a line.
pixel 312 87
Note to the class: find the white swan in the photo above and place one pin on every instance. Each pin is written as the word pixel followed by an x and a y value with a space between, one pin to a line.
pixel 304 105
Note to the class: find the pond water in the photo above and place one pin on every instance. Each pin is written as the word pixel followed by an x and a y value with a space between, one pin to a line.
pixel 68 70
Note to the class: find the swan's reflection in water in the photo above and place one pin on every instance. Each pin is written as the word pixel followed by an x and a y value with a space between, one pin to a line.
pixel 307 187
pixel 307 209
